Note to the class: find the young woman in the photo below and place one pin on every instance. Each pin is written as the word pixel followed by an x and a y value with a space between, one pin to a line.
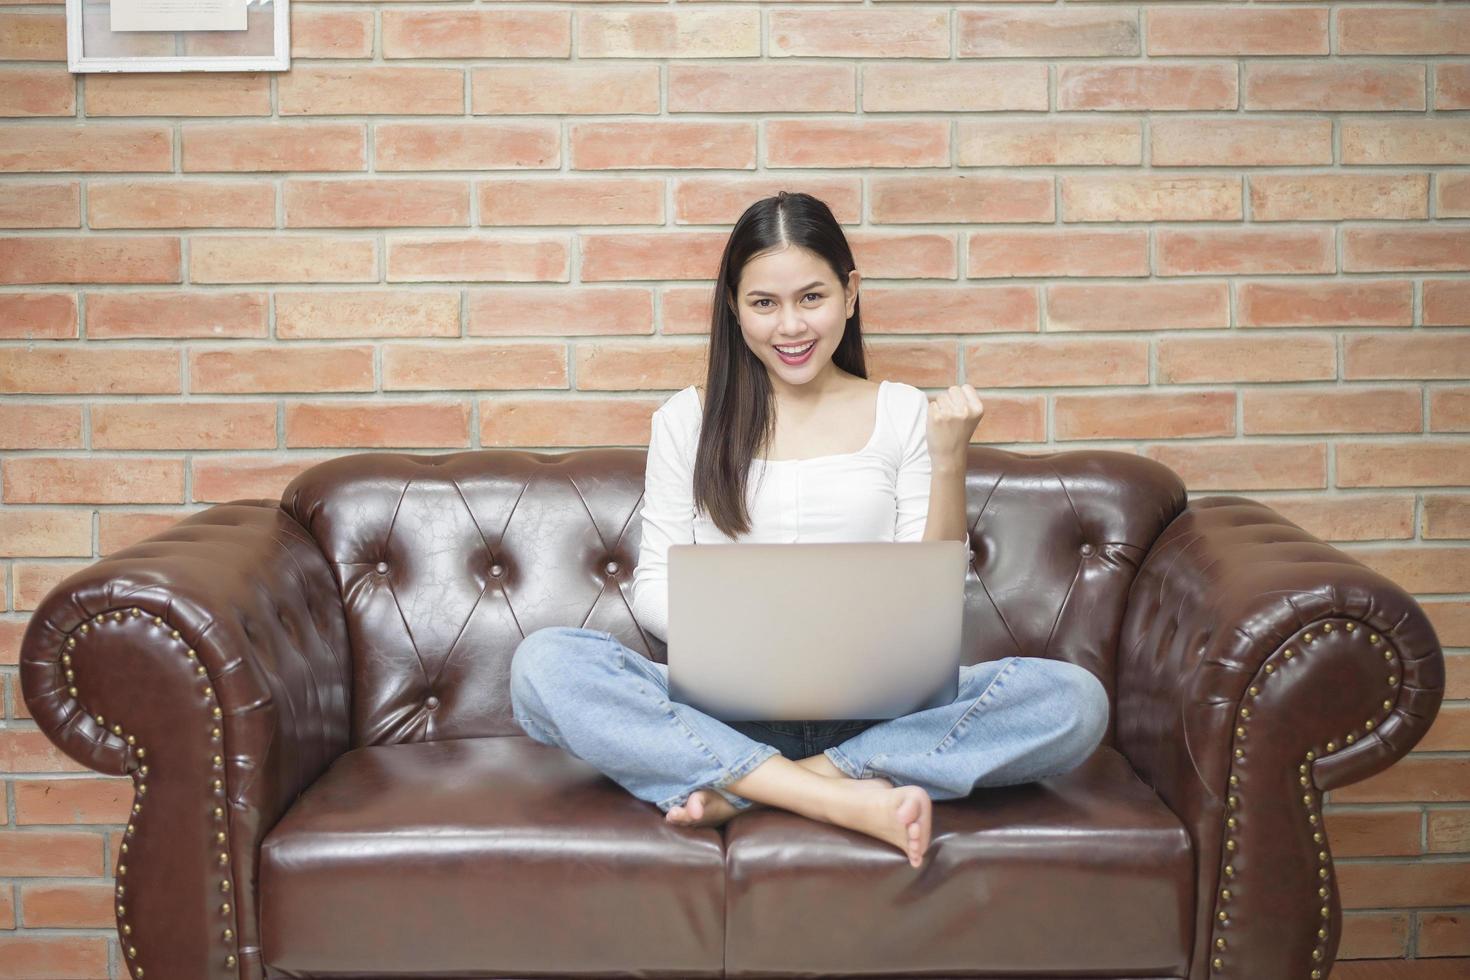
pixel 835 458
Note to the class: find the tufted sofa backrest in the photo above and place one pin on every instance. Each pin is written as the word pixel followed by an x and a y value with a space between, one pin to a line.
pixel 446 561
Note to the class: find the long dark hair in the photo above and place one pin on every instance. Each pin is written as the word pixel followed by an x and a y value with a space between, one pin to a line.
pixel 739 416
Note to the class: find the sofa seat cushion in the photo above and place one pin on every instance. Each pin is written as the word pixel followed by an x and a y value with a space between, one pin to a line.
pixel 485 857
pixel 1087 874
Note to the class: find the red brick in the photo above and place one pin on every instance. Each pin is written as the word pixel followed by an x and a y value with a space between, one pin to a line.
pixel 68 906
pixel 32 957
pixel 250 370
pixel 857 143
pixel 38 315
pixel 282 258
pixel 89 259
pixel 689 33
pixel 93 480
pixel 381 312
pixel 1151 415
pixel 972 199
pixel 370 89
pixel 998 253
pixel 188 425
pixel 1049 33
pixel 186 314
pixel 35 425
pixel 1132 88
pixel 559 201
pixel 331 33
pixel 473 145
pixel 1349 303
pixel 377 423
pixel 1236 31
pixel 1056 361
pixel 1233 467
pixel 88 369
pixel 1202 360
pixel 180 204
pixel 585 88
pixel 761 87
pixel 271 146
pixel 374 203
pixel 45 533
pixel 482 258
pixel 664 144
pixel 1150 306
pixel 43 205
pixel 69 146
pixel 475 33
pixel 1244 251
pixel 38 90
pixel 462 364
pixel 218 478
pixel 1414 355
pixel 1271 411
pixel 232 93
pixel 89 800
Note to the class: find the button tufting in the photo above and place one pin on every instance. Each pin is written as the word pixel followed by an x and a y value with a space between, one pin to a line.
pixel 612 568
pixel 432 702
pixel 382 567
pixel 496 570
pixel 1087 549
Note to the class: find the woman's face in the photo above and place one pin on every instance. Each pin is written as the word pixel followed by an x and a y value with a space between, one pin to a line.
pixel 791 297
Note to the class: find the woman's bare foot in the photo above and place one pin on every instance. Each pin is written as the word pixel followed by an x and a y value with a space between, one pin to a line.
pixel 714 809
pixel 703 808
pixel 903 816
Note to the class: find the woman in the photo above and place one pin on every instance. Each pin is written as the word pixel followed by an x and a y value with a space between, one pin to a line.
pixel 787 393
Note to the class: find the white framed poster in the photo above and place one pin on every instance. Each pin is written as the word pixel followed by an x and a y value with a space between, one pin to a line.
pixel 178 35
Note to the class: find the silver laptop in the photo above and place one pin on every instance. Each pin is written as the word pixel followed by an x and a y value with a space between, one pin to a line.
pixel 815 631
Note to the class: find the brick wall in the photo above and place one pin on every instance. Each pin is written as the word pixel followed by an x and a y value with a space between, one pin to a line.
pixel 1230 236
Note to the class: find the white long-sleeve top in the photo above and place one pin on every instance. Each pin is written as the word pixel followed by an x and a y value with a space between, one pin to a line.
pixel 879 493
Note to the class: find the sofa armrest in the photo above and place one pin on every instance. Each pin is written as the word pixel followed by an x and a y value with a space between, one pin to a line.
pixel 1258 667
pixel 210 664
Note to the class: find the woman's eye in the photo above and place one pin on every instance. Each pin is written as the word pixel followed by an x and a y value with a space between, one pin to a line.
pixel 764 300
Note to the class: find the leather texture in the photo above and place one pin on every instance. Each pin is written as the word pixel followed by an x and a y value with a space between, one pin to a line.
pixel 260 636
pixel 384 816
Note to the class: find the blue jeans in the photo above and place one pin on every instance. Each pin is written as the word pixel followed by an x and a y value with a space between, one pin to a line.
pixel 1015 720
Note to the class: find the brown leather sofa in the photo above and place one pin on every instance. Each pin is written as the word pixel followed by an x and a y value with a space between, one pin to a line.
pixel 311 698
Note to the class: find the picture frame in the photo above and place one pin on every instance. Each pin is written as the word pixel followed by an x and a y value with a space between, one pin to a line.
pixel 92 46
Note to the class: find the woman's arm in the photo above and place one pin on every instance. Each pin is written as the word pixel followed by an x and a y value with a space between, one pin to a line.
pixel 946 520
pixel 952 419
